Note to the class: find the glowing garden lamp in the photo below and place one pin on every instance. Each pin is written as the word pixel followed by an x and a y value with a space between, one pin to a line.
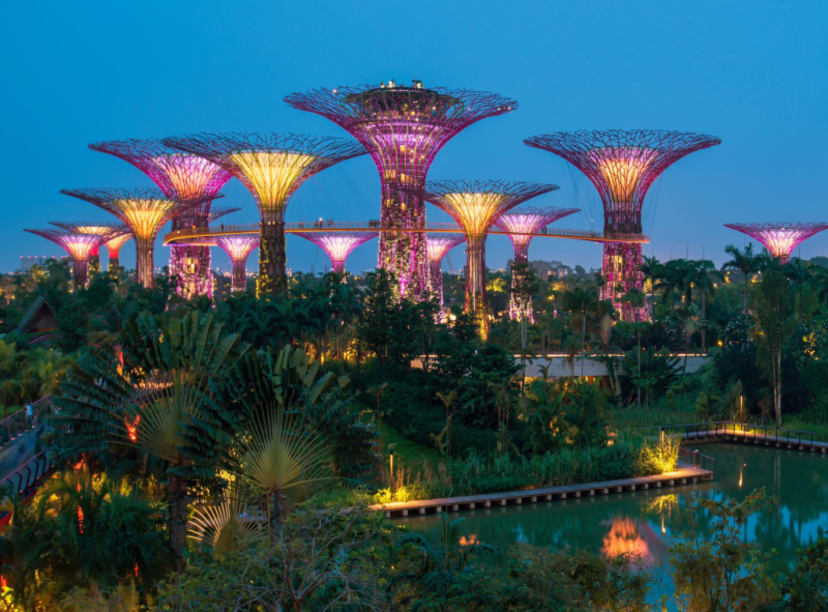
pixel 622 164
pixel 780 239
pixel 476 205
pixel 80 248
pixel 238 247
pixel 403 128
pixel 272 167
pixel 114 231
pixel 337 245
pixel 182 177
pixel 437 245
pixel 143 212
pixel 522 226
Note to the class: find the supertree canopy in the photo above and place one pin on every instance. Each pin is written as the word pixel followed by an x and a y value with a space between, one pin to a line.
pixel 114 231
pixel 521 226
pixel 238 247
pixel 780 239
pixel 337 245
pixel 113 248
pixel 144 212
pixel 403 128
pixel 181 176
pixel 437 245
pixel 475 205
pixel 622 164
pixel 80 247
pixel 272 167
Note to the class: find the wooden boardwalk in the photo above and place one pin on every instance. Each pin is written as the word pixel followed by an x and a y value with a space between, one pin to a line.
pixel 769 437
pixel 685 474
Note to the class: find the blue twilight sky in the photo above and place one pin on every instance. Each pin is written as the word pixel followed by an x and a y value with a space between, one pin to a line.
pixel 753 73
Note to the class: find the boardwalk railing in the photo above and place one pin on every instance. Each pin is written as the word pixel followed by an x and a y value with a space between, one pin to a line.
pixel 694 457
pixel 22 480
pixel 19 422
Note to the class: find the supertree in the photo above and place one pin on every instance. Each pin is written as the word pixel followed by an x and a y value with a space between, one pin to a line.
pixel 337 245
pixel 238 247
pixel 521 226
pixel 475 205
pixel 437 245
pixel 622 164
pixel 181 177
pixel 113 248
pixel 80 247
pixel 144 212
pixel 114 231
pixel 272 167
pixel 780 239
pixel 403 128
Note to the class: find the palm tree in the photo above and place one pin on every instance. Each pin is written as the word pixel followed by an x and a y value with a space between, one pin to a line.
pixel 704 275
pixel 744 261
pixel 581 300
pixel 651 268
pixel 635 298
pixel 800 274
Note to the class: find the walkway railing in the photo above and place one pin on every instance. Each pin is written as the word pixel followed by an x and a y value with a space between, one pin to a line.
pixel 695 457
pixel 747 430
pixel 19 422
pixel 24 479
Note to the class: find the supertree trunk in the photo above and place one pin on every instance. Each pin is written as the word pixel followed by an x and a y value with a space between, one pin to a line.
pixel 435 274
pixel 621 269
pixel 113 268
pixel 95 263
pixel 80 272
pixel 272 256
pixel 403 254
pixel 520 299
pixel 239 280
pixel 476 283
pixel 144 265
pixel 191 264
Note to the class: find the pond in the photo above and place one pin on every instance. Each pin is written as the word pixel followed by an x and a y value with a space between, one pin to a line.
pixel 646 523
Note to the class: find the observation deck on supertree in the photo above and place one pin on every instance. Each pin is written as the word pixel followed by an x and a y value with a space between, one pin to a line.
pixel 143 212
pixel 181 176
pixel 522 225
pixel 403 128
pixel 114 230
pixel 337 245
pixel 238 248
pixel 622 164
pixel 80 247
pixel 475 206
pixel 780 239
pixel 272 167
pixel 437 245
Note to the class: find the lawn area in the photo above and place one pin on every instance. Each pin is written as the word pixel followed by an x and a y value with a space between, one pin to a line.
pixel 407 453
pixel 631 417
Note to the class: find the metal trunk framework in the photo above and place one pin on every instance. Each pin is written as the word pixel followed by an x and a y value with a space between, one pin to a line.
pixel 403 128
pixel 437 245
pixel 238 248
pixel 181 177
pixel 337 245
pixel 80 247
pixel 622 164
pixel 476 205
pixel 272 167
pixel 522 226
pixel 144 212
pixel 780 239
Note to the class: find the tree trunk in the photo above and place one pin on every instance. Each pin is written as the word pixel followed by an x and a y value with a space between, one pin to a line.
pixel 777 391
pixel 745 308
pixel 177 521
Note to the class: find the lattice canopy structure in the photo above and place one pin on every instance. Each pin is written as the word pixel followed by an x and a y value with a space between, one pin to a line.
pixel 115 231
pixel 522 226
pixel 80 247
pixel 337 245
pixel 403 128
pixel 144 212
pixel 622 164
pixel 238 247
pixel 437 245
pixel 218 213
pixel 272 167
pixel 182 177
pixel 780 239
pixel 476 205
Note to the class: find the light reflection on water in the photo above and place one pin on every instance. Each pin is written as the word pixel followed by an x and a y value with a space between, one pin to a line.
pixel 647 523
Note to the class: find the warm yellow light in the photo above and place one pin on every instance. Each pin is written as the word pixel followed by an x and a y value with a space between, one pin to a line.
pixel 272 174
pixel 114 245
pixel 190 175
pixel 623 168
pixel 144 215
pixel 474 210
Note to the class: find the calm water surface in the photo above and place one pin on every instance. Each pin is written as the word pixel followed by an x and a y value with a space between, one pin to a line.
pixel 646 523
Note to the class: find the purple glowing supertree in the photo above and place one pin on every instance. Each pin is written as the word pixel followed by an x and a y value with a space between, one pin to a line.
pixel 522 225
pixel 272 167
pixel 337 245
pixel 780 239
pixel 80 247
pixel 437 245
pixel 402 128
pixel 144 212
pixel 238 247
pixel 181 177
pixel 622 164
pixel 112 231
pixel 476 205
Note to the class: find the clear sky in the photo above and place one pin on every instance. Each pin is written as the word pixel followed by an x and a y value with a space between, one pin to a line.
pixel 754 73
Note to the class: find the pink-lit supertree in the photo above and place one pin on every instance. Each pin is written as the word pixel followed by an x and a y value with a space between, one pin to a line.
pixel 238 247
pixel 522 225
pixel 143 212
pixel 476 205
pixel 403 128
pixel 622 164
pixel 181 176
pixel 113 249
pixel 114 231
pixel 337 245
pixel 272 167
pixel 80 248
pixel 437 245
pixel 780 239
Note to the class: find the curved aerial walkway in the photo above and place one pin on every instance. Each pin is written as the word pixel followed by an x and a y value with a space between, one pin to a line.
pixel 22 464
